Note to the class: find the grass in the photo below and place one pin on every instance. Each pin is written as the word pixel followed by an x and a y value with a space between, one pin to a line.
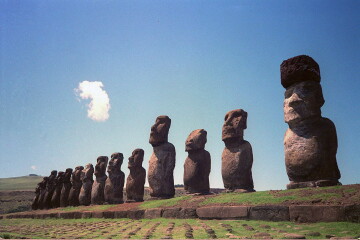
pixel 163 203
pixel 20 183
pixel 120 228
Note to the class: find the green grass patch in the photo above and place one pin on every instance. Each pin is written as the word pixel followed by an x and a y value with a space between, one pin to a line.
pixel 163 203
pixel 20 183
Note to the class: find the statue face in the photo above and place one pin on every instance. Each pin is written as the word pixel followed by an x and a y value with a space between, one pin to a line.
pixel 234 125
pixel 116 160
pixel 160 130
pixel 101 164
pixel 68 174
pixel 302 100
pixel 136 158
pixel 88 171
pixel 196 140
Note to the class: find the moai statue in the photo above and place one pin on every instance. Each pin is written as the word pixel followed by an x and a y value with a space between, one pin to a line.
pixel 87 182
pixel 237 157
pixel 198 163
pixel 35 203
pixel 50 188
pixel 42 192
pixel 98 187
pixel 136 179
pixel 162 160
pixel 76 186
pixel 55 200
pixel 64 197
pixel 310 141
pixel 114 184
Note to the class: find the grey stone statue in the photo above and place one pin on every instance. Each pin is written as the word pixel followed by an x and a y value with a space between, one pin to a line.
pixel 55 200
pixel 87 182
pixel 42 192
pixel 136 179
pixel 98 187
pixel 237 157
pixel 64 196
pixel 162 160
pixel 310 141
pixel 114 184
pixel 76 186
pixel 50 188
pixel 198 163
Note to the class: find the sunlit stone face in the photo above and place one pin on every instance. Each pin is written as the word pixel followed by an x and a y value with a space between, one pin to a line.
pixel 136 158
pixel 303 100
pixel 234 125
pixel 196 140
pixel 160 130
pixel 100 167
pixel 115 161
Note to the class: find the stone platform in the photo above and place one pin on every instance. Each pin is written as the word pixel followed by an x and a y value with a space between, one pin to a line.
pixel 299 213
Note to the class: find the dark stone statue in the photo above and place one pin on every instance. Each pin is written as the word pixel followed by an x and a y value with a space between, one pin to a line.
pixel 310 141
pixel 98 187
pixel 136 179
pixel 162 160
pixel 42 192
pixel 87 182
pixel 114 184
pixel 237 157
pixel 55 200
pixel 64 197
pixel 35 203
pixel 50 188
pixel 76 186
pixel 198 163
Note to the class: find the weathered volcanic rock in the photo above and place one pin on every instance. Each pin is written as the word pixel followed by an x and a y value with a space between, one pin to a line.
pixel 76 186
pixel 197 165
pixel 162 160
pixel 114 184
pixel 55 200
pixel 50 188
pixel 310 141
pixel 87 182
pixel 39 194
pixel 136 179
pixel 98 187
pixel 237 157
pixel 64 197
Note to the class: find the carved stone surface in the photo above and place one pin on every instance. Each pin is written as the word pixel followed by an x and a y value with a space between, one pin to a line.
pixel 55 200
pixel 50 188
pixel 64 197
pixel 310 141
pixel 162 160
pixel 87 182
pixel 136 179
pixel 114 184
pixel 237 157
pixel 98 187
pixel 198 163
pixel 39 194
pixel 76 186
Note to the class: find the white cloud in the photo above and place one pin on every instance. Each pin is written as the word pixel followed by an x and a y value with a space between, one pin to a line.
pixel 99 106
pixel 33 167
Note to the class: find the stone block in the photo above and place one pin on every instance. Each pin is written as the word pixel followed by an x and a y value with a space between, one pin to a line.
pixel 269 213
pixel 187 213
pixel 153 213
pixel 225 212
pixel 352 213
pixel 86 214
pixel 171 212
pixel 97 214
pixel 136 214
pixel 120 214
pixel 317 213
pixel 108 214
pixel 66 215
pixel 77 215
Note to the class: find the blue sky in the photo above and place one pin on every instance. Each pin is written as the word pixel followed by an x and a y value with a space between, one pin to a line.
pixel 191 60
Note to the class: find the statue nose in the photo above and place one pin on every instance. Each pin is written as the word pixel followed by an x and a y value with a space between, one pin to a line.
pixel 294 99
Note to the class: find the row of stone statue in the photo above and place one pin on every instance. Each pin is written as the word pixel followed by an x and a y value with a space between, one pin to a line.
pixel 310 151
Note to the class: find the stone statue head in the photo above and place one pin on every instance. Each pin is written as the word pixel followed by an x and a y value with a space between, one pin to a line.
pixel 115 162
pixel 303 96
pixel 76 175
pixel 196 140
pixel 87 172
pixel 136 158
pixel 44 182
pixel 234 125
pixel 160 130
pixel 60 177
pixel 100 167
pixel 53 175
pixel 68 173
